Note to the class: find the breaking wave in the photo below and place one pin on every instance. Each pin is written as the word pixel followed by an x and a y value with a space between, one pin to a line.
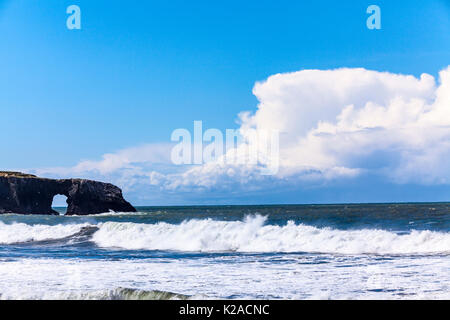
pixel 254 235
pixel 17 233
pixel 112 294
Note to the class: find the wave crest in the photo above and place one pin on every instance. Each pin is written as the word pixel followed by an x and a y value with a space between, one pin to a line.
pixel 112 294
pixel 253 235
pixel 17 233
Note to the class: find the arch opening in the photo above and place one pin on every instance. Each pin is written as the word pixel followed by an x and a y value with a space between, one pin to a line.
pixel 59 204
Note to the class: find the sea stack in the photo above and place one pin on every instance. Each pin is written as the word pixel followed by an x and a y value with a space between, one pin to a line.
pixel 28 194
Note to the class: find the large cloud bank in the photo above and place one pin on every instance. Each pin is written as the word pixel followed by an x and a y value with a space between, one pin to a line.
pixel 347 121
pixel 333 124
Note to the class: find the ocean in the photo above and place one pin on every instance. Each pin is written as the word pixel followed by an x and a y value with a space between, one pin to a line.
pixel 354 251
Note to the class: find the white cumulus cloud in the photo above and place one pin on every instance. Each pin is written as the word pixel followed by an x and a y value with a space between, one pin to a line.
pixel 332 123
pixel 341 123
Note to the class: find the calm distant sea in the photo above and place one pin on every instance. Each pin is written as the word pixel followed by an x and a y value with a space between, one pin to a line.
pixel 381 251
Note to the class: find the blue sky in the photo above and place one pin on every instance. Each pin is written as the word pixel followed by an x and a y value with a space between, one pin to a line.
pixel 138 70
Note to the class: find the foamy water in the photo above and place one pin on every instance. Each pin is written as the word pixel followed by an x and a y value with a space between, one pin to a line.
pixel 176 254
pixel 252 235
pixel 21 232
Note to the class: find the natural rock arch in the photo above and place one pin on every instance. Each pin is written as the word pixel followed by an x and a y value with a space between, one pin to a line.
pixel 27 194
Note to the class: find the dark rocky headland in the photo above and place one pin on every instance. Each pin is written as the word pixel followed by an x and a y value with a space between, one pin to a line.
pixel 28 194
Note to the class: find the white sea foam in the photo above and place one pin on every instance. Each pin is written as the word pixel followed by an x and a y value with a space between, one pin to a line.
pixel 250 235
pixel 233 277
pixel 106 294
pixel 111 214
pixel 21 232
pixel 253 235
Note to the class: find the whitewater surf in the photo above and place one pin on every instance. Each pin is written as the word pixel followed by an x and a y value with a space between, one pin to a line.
pixel 278 252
